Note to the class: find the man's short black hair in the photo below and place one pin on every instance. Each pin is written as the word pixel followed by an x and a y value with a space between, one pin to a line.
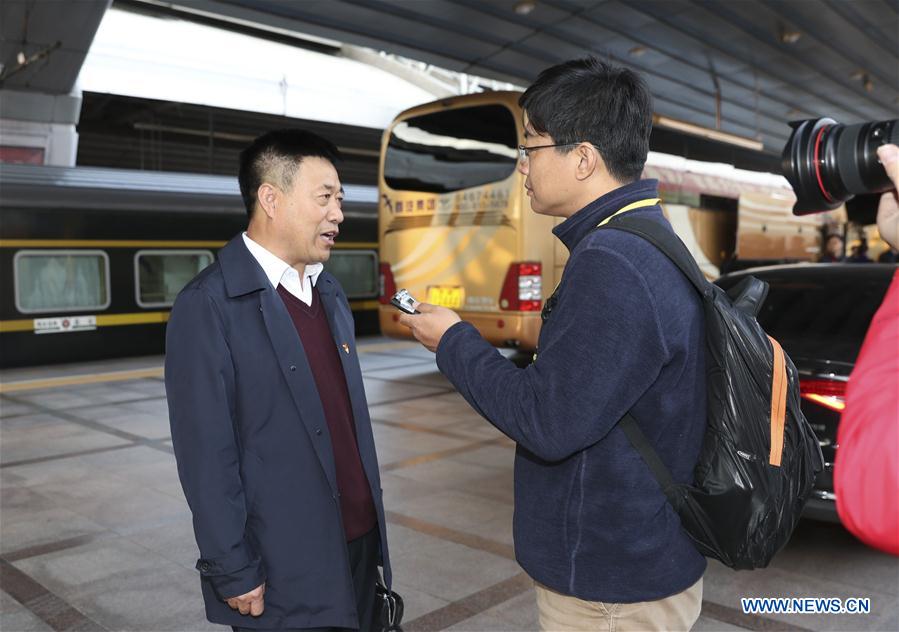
pixel 275 156
pixel 588 100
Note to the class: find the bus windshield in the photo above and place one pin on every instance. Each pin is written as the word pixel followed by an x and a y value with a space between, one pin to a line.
pixel 449 150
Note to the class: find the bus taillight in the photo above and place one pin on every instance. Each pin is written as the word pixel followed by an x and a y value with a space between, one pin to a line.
pixel 386 283
pixel 828 393
pixel 523 288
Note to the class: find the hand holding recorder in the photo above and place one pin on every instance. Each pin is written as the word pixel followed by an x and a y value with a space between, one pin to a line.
pixel 427 322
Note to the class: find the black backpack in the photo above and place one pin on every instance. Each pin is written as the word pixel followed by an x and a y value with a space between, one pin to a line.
pixel 759 457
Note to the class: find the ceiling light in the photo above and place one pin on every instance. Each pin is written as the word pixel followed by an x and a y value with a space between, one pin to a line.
pixel 704 132
pixel 525 6
pixel 864 77
pixel 789 36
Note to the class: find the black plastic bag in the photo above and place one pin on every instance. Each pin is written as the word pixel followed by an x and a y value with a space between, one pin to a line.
pixel 759 457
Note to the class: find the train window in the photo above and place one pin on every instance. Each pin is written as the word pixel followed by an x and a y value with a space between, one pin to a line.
pixel 160 274
pixel 357 272
pixel 61 280
pixel 452 149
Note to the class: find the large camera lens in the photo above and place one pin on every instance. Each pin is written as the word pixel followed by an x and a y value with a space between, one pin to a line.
pixel 827 163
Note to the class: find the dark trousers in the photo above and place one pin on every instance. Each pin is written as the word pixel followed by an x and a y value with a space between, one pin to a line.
pixel 363 553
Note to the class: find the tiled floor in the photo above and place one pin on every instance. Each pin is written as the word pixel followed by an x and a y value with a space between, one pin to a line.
pixel 95 533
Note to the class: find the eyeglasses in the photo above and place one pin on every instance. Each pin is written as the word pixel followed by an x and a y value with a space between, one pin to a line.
pixel 524 150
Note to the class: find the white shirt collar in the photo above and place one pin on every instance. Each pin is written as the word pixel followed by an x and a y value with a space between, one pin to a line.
pixel 280 272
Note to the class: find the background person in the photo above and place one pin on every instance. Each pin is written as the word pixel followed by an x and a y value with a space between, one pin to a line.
pixel 866 470
pixel 833 249
pixel 859 253
pixel 890 255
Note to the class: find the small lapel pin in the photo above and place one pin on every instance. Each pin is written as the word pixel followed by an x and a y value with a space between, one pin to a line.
pixel 346 347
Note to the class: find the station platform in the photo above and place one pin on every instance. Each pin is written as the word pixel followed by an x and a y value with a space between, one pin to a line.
pixel 95 533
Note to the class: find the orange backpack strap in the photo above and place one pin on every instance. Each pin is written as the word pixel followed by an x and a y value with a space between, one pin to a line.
pixel 778 403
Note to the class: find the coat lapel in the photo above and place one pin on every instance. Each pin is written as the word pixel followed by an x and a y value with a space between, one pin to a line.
pixel 298 374
pixel 341 322
pixel 243 275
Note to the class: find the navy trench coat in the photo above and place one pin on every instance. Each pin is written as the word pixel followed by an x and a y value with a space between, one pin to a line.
pixel 253 448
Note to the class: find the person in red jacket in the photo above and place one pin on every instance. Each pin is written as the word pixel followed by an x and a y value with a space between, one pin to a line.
pixel 866 471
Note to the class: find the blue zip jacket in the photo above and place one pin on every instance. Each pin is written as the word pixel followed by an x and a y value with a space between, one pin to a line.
pixel 627 333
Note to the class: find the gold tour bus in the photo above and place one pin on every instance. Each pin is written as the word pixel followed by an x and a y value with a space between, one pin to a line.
pixel 456 229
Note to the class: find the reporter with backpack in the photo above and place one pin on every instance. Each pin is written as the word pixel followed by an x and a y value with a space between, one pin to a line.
pixel 658 422
pixel 624 331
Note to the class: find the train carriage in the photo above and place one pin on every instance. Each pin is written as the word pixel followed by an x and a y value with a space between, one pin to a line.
pixel 91 259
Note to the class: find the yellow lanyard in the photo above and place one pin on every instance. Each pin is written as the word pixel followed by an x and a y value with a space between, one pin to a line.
pixel 631 207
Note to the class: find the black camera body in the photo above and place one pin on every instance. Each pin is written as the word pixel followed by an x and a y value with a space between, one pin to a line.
pixel 828 163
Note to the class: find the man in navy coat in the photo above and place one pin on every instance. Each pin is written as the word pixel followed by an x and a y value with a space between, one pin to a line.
pixel 269 419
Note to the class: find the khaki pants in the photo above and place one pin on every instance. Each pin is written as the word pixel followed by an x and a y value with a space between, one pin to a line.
pixel 675 613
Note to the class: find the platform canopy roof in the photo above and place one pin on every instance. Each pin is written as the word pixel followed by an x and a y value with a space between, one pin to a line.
pixel 745 67
pixel 765 61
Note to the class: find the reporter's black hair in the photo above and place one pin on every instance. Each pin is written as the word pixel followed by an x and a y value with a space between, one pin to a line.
pixel 588 100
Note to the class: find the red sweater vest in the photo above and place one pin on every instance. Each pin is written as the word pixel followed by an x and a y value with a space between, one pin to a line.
pixel 311 322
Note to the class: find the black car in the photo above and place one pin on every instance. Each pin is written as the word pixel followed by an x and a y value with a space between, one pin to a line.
pixel 820 313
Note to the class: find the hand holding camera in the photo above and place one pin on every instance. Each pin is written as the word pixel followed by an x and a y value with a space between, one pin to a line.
pixel 888 210
pixel 828 163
